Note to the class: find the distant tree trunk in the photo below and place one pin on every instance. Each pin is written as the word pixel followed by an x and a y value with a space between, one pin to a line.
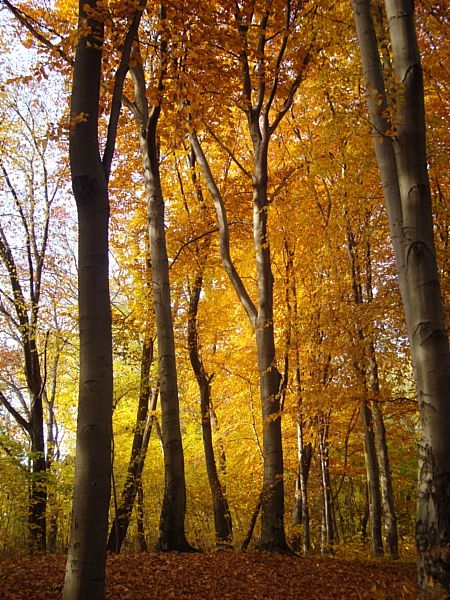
pixel 251 527
pixel 85 570
pixel 263 114
pixel 139 447
pixel 27 321
pixel 140 518
pixel 222 516
pixel 172 528
pixel 361 368
pixel 325 484
pixel 301 503
pixel 402 162
pixel 300 514
pixel 373 479
pixel 387 491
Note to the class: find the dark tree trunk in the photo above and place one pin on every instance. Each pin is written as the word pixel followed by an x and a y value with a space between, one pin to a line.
pixel 85 570
pixel 222 516
pixel 139 447
pixel 251 527
pixel 387 490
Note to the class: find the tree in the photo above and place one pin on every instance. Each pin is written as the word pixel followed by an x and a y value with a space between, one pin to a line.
pixel 30 185
pixel 399 138
pixel 264 110
pixel 172 528
pixel 90 173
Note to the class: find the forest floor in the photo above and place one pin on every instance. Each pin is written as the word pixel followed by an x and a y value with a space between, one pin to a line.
pixel 218 576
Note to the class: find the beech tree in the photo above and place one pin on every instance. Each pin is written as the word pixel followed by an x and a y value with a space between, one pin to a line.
pixel 90 173
pixel 172 522
pixel 399 139
pixel 264 107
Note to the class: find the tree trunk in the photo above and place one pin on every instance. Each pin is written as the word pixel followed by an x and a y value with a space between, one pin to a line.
pixel 301 502
pixel 403 168
pixel 387 491
pixel 373 479
pixel 360 366
pixel 139 447
pixel 222 516
pixel 252 524
pixel 171 529
pixel 325 483
pixel 85 569
pixel 87 550
pixel 171 534
pixel 38 501
pixel 140 518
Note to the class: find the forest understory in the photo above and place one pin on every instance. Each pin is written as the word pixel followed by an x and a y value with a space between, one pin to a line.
pixel 222 575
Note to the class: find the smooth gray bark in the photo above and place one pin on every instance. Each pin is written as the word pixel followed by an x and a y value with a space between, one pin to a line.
pixel 87 551
pixel 403 168
pixel 171 529
pixel 85 569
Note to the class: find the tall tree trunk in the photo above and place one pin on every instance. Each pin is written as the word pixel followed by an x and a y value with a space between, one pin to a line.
pixel 222 517
pixel 403 168
pixel 172 527
pixel 387 490
pixel 325 483
pixel 85 570
pixel 27 331
pixel 272 507
pixel 139 447
pixel 87 550
pixel 373 479
pixel 171 532
pixel 360 367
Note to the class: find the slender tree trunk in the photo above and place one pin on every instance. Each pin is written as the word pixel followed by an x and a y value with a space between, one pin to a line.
pixel 222 516
pixel 360 367
pixel 171 534
pixel 140 518
pixel 252 524
pixel 139 447
pixel 172 528
pixel 387 490
pixel 38 501
pixel 301 502
pixel 403 168
pixel 325 483
pixel 373 479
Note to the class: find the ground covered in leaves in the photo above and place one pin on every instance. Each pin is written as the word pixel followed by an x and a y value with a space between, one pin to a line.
pixel 224 576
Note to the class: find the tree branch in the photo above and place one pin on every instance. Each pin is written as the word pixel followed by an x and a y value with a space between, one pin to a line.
pixel 219 205
pixel 116 102
pixel 13 412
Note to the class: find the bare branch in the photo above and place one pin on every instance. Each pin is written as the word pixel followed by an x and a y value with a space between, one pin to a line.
pixel 14 413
